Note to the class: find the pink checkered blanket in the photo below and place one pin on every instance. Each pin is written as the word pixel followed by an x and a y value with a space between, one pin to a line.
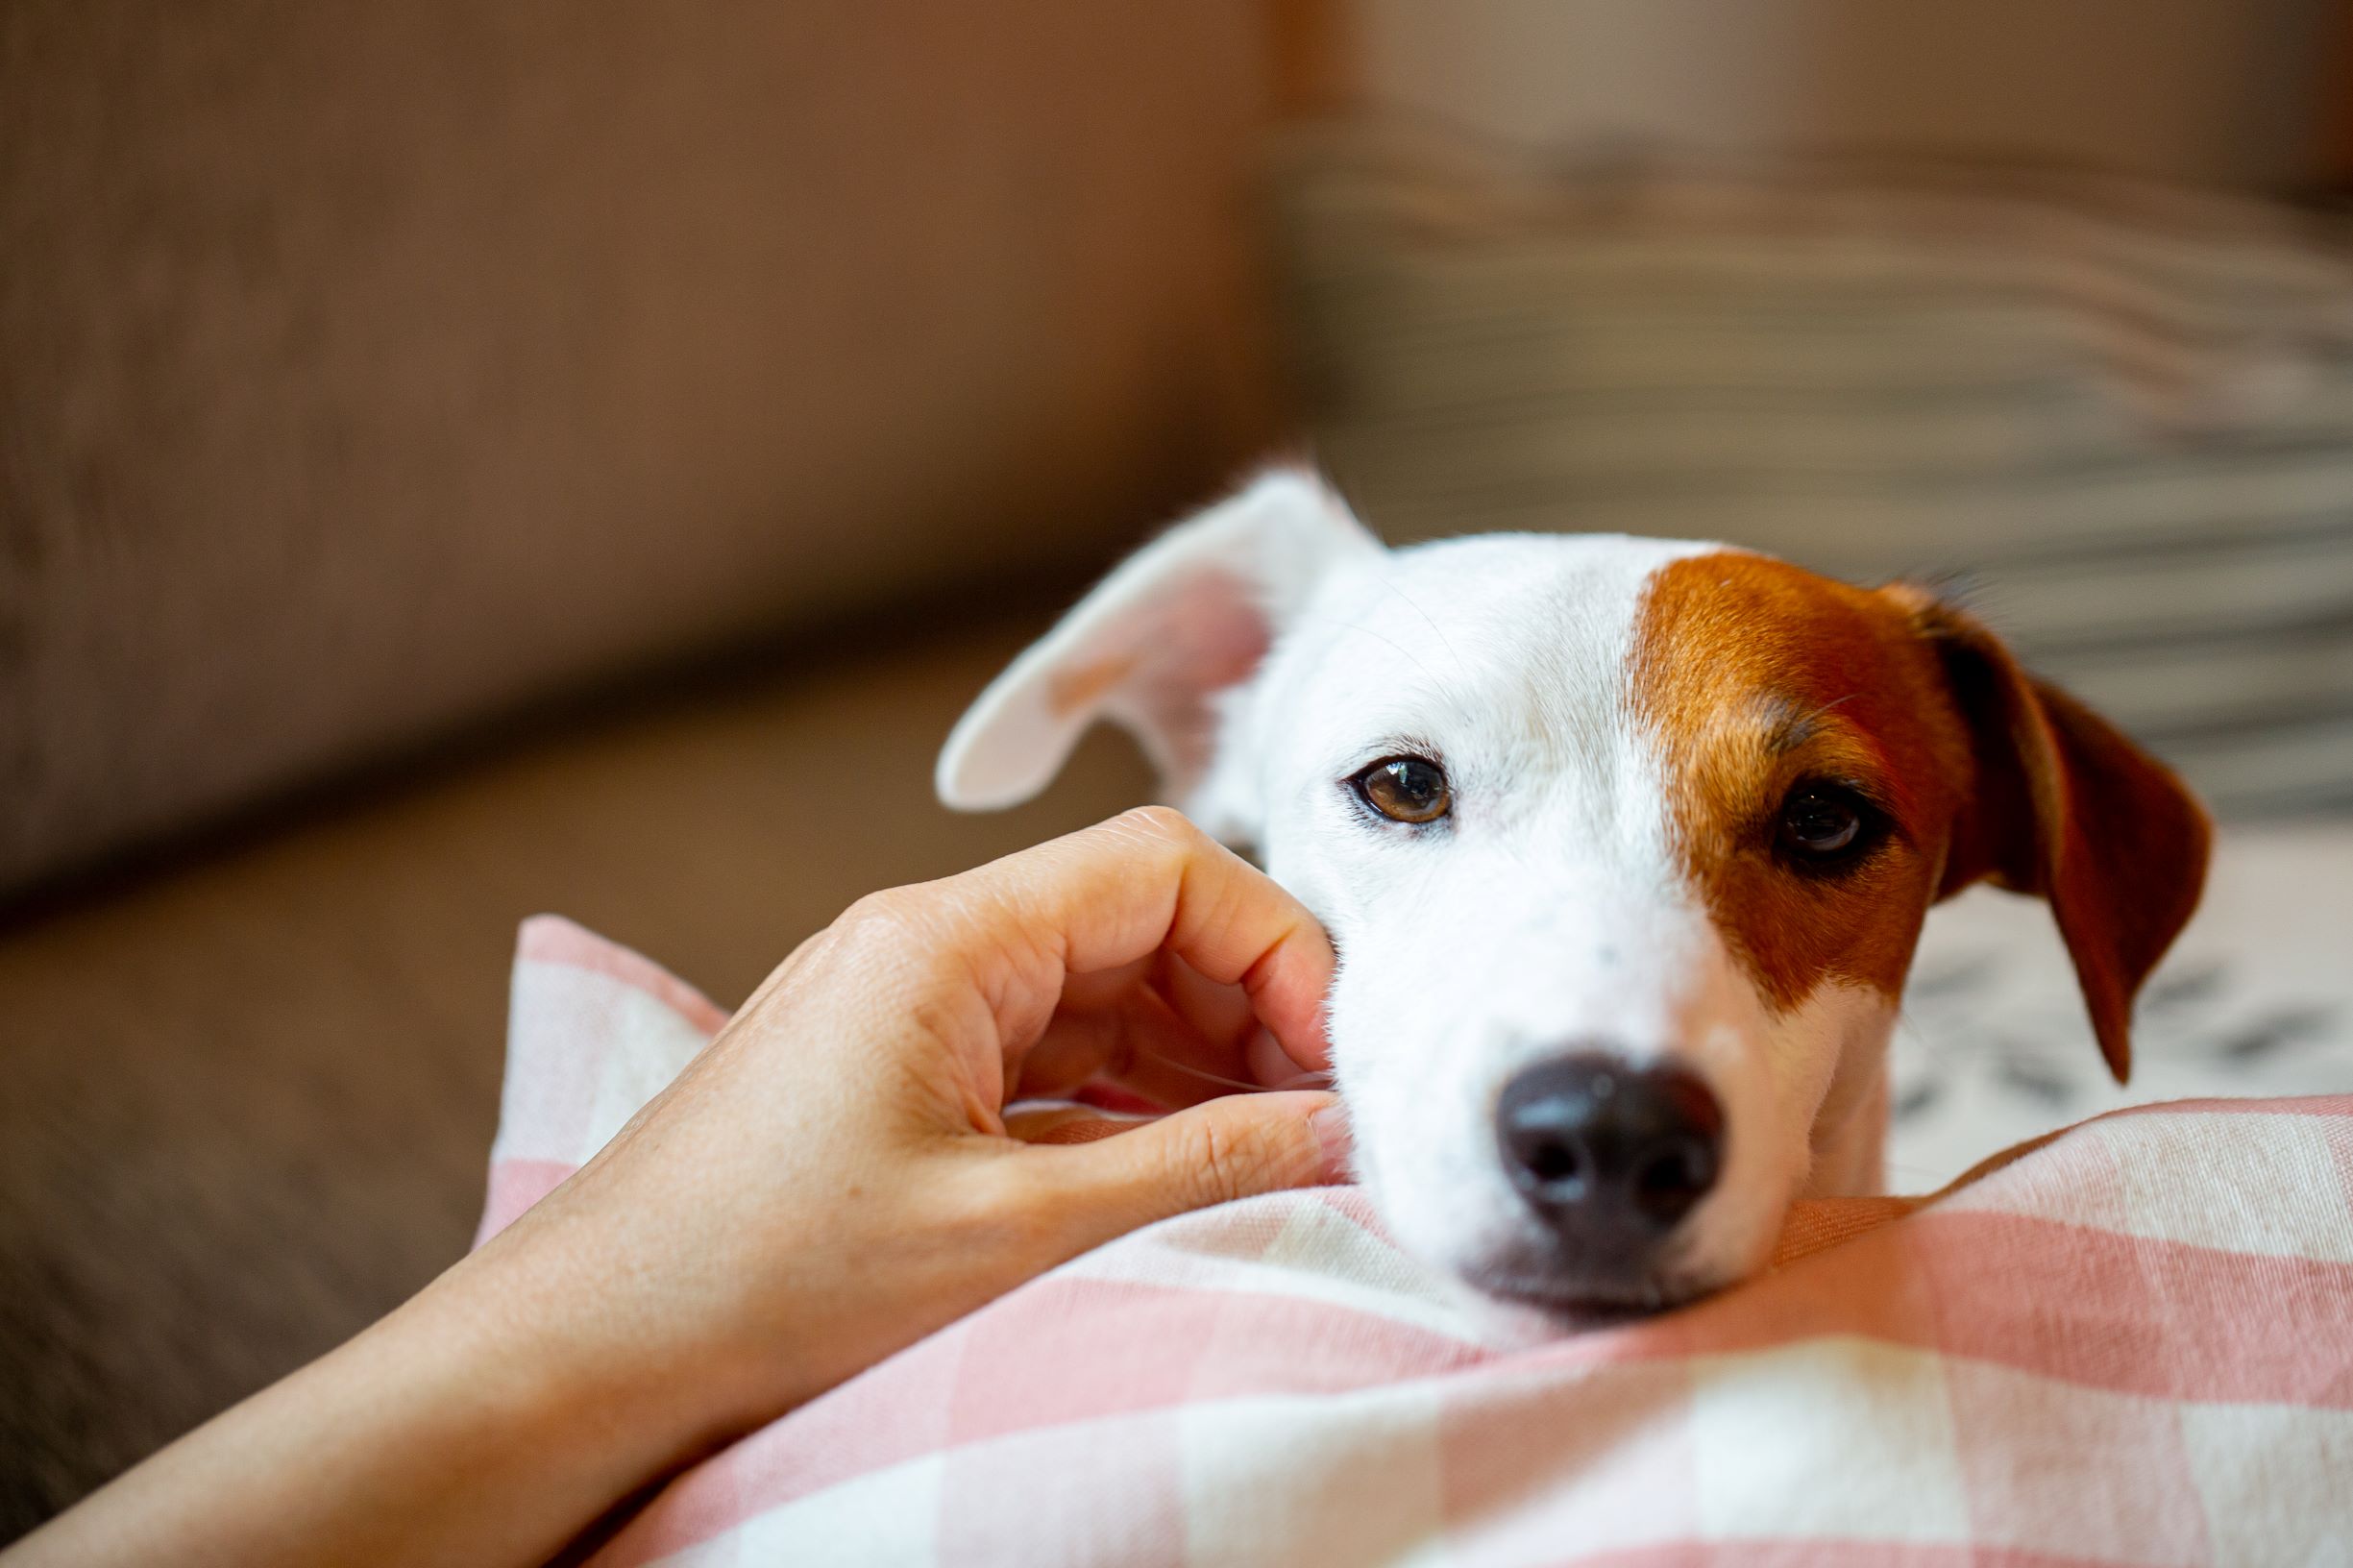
pixel 2129 1343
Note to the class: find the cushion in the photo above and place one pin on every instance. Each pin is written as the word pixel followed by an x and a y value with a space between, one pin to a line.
pixel 2130 1342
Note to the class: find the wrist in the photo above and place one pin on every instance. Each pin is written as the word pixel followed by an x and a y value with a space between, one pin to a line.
pixel 562 1361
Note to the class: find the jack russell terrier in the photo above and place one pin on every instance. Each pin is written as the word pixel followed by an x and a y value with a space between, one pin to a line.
pixel 1625 844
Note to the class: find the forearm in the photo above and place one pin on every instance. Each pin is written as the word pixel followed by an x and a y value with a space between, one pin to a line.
pixel 581 1355
pixel 459 1429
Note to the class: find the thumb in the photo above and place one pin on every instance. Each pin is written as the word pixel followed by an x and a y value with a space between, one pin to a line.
pixel 1235 1146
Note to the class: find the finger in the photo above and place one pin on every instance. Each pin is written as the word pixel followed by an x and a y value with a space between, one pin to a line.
pixel 1235 1148
pixel 1143 1040
pixel 1119 892
pixel 1140 1044
pixel 1159 1027
pixel 1266 1062
pixel 1063 1123
pixel 1220 1014
pixel 1104 1021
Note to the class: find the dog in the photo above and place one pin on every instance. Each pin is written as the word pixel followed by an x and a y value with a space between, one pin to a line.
pixel 1625 844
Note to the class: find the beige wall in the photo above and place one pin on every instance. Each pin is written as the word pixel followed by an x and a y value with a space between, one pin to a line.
pixel 2211 90
pixel 369 367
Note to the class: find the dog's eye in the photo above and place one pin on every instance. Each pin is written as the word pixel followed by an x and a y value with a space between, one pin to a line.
pixel 1405 789
pixel 1823 822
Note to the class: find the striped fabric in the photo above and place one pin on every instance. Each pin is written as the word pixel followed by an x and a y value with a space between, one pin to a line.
pixel 2117 418
pixel 2132 1344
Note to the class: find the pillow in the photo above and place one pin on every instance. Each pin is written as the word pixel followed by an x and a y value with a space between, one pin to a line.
pixel 2131 1341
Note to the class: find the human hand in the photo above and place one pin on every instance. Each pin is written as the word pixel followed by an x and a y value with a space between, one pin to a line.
pixel 833 1177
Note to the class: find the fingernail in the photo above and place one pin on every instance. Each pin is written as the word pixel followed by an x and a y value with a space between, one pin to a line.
pixel 1331 1125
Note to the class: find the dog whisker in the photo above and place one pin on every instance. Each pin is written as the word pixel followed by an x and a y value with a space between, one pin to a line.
pixel 1319 1078
pixel 1390 583
pixel 1392 641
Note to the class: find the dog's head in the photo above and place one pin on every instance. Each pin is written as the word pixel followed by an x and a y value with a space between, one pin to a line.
pixel 1624 844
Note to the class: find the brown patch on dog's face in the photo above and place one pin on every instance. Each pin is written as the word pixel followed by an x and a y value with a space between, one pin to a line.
pixel 1761 680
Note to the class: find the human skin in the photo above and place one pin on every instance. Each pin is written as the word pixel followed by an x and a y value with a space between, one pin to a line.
pixel 831 1179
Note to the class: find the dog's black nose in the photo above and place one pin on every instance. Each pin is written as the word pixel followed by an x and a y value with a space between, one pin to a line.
pixel 1612 1155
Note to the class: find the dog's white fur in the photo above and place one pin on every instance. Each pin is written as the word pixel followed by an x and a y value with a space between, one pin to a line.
pixel 1552 915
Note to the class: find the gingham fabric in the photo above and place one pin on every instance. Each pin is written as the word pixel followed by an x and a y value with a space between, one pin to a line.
pixel 2129 1343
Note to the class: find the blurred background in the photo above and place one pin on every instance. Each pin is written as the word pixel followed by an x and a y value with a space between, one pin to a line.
pixel 458 461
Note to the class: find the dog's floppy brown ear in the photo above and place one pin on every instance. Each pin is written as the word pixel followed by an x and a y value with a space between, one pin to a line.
pixel 2063 805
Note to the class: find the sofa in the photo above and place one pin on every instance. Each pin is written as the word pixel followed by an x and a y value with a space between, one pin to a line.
pixel 456 464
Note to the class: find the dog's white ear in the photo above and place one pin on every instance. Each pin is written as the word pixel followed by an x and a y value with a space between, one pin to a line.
pixel 1187 617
